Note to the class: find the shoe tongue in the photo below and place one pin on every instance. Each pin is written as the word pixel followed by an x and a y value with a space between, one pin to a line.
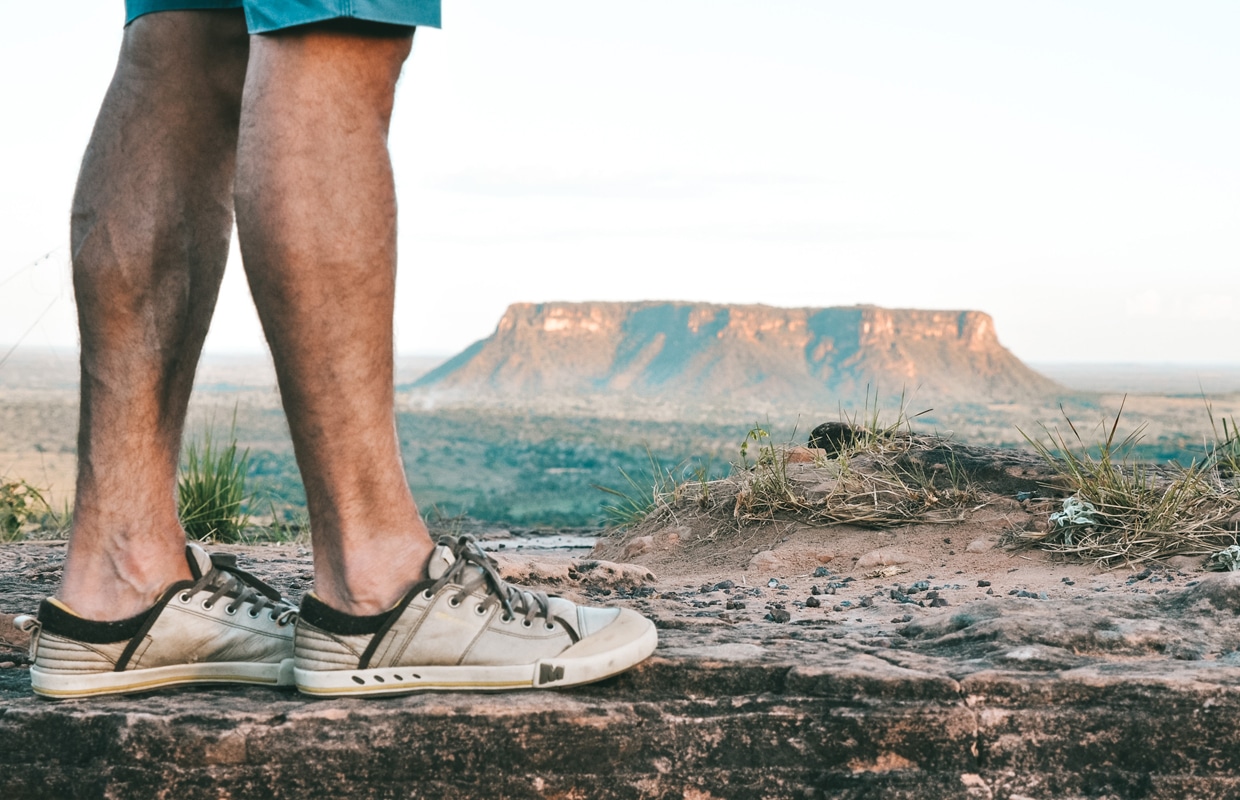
pixel 199 561
pixel 441 559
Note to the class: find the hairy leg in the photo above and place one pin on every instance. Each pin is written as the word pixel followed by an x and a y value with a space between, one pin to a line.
pixel 316 215
pixel 152 217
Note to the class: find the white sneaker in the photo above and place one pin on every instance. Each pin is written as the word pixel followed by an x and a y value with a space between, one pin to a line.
pixel 225 626
pixel 465 629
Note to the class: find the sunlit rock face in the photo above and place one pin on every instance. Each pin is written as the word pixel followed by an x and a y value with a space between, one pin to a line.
pixel 702 352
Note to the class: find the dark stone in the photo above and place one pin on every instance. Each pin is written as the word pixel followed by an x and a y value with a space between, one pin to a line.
pixel 778 615
pixel 812 602
pixel 983 583
pixel 834 437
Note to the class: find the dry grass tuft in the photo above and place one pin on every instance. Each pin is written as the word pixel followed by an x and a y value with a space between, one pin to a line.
pixel 873 482
pixel 1127 512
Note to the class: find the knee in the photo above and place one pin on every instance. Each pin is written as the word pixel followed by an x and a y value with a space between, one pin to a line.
pixel 200 56
pixel 366 57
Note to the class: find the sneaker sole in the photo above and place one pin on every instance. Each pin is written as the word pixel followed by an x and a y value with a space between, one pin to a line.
pixel 61 686
pixel 567 669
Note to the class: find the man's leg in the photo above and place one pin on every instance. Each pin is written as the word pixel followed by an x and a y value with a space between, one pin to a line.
pixel 316 215
pixel 151 223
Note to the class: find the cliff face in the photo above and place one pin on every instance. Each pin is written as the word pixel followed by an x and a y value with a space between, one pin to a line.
pixel 708 353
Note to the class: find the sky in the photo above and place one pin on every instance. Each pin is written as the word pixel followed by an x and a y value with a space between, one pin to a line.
pixel 1071 168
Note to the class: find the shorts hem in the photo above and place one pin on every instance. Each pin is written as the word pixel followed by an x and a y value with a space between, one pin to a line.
pixel 408 13
pixel 140 8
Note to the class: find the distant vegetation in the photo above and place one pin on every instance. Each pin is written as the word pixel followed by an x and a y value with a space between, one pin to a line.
pixel 523 470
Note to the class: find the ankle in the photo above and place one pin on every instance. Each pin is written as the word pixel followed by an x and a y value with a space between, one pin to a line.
pixel 112 583
pixel 372 580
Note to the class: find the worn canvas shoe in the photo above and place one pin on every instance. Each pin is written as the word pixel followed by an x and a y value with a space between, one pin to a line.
pixel 225 626
pixel 465 629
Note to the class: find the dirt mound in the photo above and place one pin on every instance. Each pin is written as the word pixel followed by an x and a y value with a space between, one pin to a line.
pixel 888 504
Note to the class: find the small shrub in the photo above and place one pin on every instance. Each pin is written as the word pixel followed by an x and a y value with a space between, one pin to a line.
pixel 211 490
pixel 21 505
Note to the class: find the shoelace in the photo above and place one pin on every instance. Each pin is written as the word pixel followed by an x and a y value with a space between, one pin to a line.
pixel 242 588
pixel 514 601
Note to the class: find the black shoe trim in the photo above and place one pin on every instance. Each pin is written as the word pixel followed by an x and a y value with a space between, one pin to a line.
pixel 151 616
pixel 572 634
pixel 55 619
pixel 193 563
pixel 325 618
pixel 391 617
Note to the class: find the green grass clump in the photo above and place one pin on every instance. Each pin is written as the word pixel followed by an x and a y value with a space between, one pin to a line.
pixel 211 490
pixel 21 505
pixel 641 494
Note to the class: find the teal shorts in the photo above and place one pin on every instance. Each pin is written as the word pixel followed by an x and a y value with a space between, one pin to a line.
pixel 265 16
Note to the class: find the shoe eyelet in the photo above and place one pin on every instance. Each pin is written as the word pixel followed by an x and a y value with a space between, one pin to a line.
pixel 506 618
pixel 525 623
pixel 426 594
pixel 184 597
pixel 207 606
pixel 454 602
pixel 550 626
pixel 480 610
pixel 230 610
pixel 252 613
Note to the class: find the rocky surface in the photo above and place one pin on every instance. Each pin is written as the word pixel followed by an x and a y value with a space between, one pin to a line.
pixel 694 351
pixel 1109 685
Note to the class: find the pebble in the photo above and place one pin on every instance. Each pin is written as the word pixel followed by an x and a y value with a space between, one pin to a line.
pixel 641 544
pixel 766 561
pixel 812 602
pixel 982 584
pixel 778 615
pixel 884 557
pixel 1029 594
pixel 938 602
pixel 821 572
pixel 733 605
pixel 814 590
